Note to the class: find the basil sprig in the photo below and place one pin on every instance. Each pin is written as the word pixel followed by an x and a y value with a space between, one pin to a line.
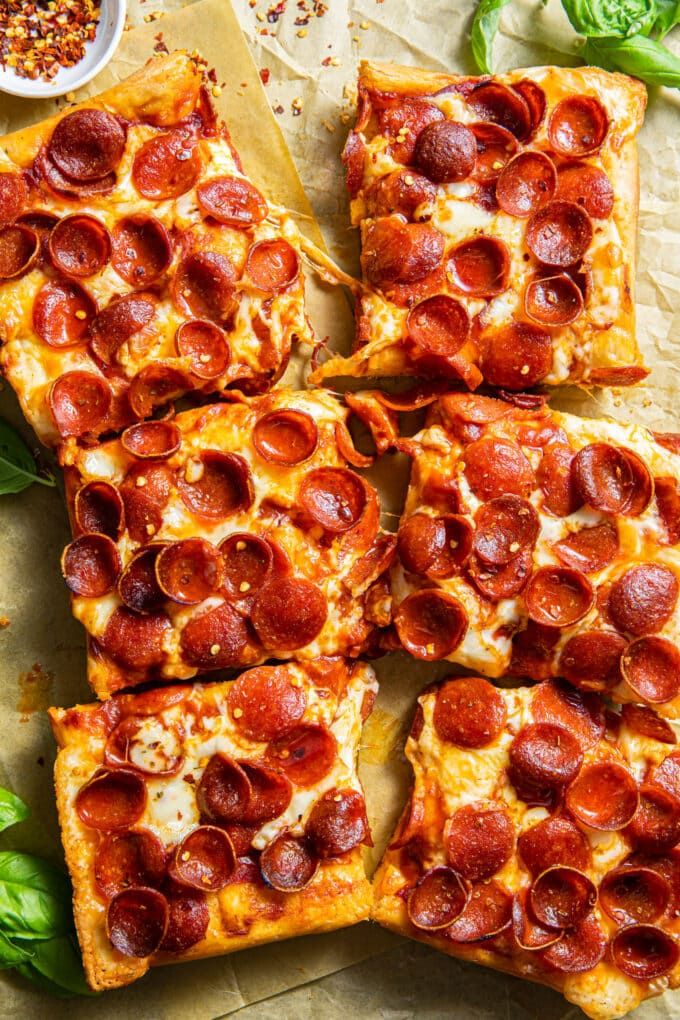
pixel 17 467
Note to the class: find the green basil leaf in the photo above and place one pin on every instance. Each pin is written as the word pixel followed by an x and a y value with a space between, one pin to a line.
pixel 35 897
pixel 620 18
pixel 17 467
pixel 12 954
pixel 639 56
pixel 12 809
pixel 668 17
pixel 483 32
pixel 56 966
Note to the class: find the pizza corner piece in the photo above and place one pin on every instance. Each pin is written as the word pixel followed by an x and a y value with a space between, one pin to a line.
pixel 542 839
pixel 138 262
pixel 498 223
pixel 202 819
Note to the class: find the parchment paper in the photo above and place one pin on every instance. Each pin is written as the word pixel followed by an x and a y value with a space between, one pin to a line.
pixel 310 70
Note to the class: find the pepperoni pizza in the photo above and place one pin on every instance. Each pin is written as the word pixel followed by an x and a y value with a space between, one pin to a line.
pixel 137 261
pixel 542 544
pixel 498 220
pixel 198 820
pixel 542 838
pixel 234 533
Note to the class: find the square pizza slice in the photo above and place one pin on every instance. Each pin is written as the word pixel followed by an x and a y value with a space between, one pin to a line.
pixel 233 533
pixel 137 260
pixel 498 226
pixel 542 838
pixel 199 820
pixel 543 544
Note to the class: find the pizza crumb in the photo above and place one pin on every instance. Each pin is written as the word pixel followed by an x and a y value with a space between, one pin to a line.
pixel 4 622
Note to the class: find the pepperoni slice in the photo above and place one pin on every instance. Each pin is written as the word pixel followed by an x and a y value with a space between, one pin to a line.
pixel 204 859
pixel 562 896
pixel 87 144
pixel 494 102
pixel 215 484
pixel 111 801
pixel 338 823
pixel 495 146
pixel 405 192
pixel 119 322
pixel 215 639
pixel 634 894
pixel 553 300
pixel 651 668
pixel 494 467
pixel 59 183
pixel 158 699
pixel 656 825
pixel 506 526
pixel 125 859
pixel 438 898
pixel 644 952
pixel 143 516
pixel 266 701
pixel 588 186
pixel 534 96
pixel 188 918
pixel 581 714
pixel 578 126
pixel 19 249
pixel 559 234
pixel 135 641
pixel 203 286
pixel 604 796
pixel 555 478
pixel 580 948
pixel 469 712
pixel 516 356
pixel 445 151
pixel 591 660
pixel 62 312
pixel 335 498
pixel 435 546
pixel 272 265
pixel 206 346
pixel 137 585
pixel 532 651
pixel 479 840
pixel 79 402
pixel 667 492
pixel 98 507
pixel 270 794
pixel 403 121
pixel 232 201
pixel 288 613
pixel 306 753
pixel 480 266
pixel 285 436
pixel 590 549
pixel 153 750
pixel 645 721
pixel 558 596
pixel 40 222
pixel 488 912
pixel 529 933
pixel 223 790
pixel 605 478
pixel 287 863
pixel 166 167
pixel 526 183
pixel 152 440
pixel 13 196
pixel 431 624
pixel 398 252
pixel 154 386
pixel 79 245
pixel 643 599
pixel 189 571
pixel 545 754
pixel 551 842
pixel 437 327
pixel 136 921
pixel 90 565
pixel 141 250
pixel 497 583
pixel 248 562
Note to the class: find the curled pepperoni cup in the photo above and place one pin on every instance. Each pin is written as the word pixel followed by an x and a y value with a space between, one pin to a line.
pixel 137 584
pixel 153 387
pixel 558 596
pixel 270 793
pixel 402 121
pixel 643 599
pixel 516 356
pixel 645 721
pixel 534 96
pixel 189 571
pixel 559 234
pixel 438 898
pixel 141 250
pixel 188 917
pixel 578 949
pixel 545 754
pixel 496 467
pixel 667 492
pixel 79 245
pixel 529 933
pixel 526 183
pixel 121 320
pixel 480 266
pixel 505 527
pixel 495 146
pixel 136 921
pixel 285 436
pixel 13 196
pixel 143 515
pixel 166 167
pixel 604 796
pixel 248 562
pixel 437 327
pixel 125 859
pixel 266 701
pixel 553 300
pixel 272 265
pixel 656 825
pixel 644 952
pixel 305 754
pixel 588 186
pixel 62 312
pixel 135 641
pixel 633 894
pixel 334 498
pixel 90 565
pixel 216 484
pixel 556 480
pixel 111 801
pixel 488 912
pixel 445 151
pixel 562 896
pixel 578 126
pixel 449 548
pixel 152 440
pixel 431 624
pixel 651 668
pixel 203 286
pixel 494 102
pixel 502 582
pixel 338 823
pixel 581 714
pixel 98 508
pixel 152 749
pixel 469 712
pixel 591 660
pixel 206 346
pixel 232 201
pixel 215 639
pixel 603 477
pixel 590 549
pixel 204 859
pixel 551 842
pixel 287 863
pixel 421 541
pixel 40 222
pixel 479 840
pixel 19 249
pixel 87 144
pixel 405 192
pixel 224 790
pixel 398 252
pixel 288 613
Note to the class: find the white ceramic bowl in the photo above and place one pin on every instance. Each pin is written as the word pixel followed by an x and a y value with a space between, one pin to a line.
pixel 68 79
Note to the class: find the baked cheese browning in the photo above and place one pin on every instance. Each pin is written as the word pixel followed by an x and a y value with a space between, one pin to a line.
pixel 231 534
pixel 541 838
pixel 138 260
pixel 203 819
pixel 498 220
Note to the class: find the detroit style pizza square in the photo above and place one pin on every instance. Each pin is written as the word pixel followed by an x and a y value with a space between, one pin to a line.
pixel 542 838
pixel 137 260
pixel 198 820
pixel 498 219
pixel 233 533
pixel 541 544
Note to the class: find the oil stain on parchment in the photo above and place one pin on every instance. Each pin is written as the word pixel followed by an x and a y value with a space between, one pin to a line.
pixel 35 691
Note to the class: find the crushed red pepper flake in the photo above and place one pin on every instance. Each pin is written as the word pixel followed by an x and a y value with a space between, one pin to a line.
pixel 264 75
pixel 40 37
